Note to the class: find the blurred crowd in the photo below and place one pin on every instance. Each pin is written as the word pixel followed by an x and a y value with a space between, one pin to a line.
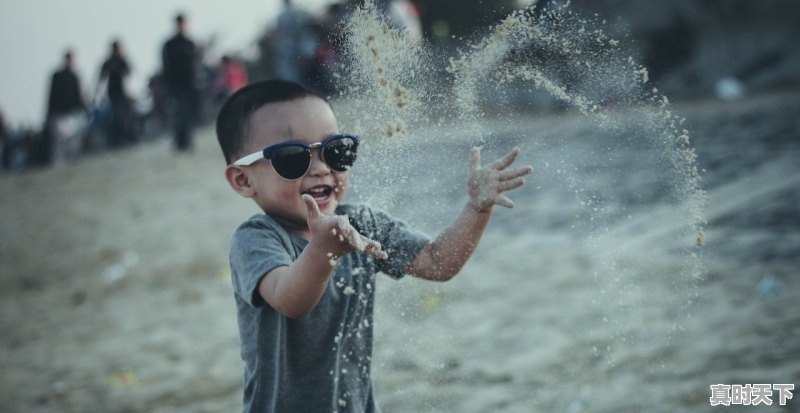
pixel 185 92
pixel 105 115
pixel 692 49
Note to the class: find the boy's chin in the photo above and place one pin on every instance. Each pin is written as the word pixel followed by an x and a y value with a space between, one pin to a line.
pixel 329 208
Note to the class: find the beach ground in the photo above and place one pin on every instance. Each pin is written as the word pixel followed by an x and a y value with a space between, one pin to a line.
pixel 115 294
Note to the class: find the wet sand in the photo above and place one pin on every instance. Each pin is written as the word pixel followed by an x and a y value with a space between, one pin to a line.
pixel 116 295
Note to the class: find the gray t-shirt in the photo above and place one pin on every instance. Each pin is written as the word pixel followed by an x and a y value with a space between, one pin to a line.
pixel 320 362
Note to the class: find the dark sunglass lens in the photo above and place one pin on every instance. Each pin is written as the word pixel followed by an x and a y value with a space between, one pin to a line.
pixel 340 154
pixel 291 162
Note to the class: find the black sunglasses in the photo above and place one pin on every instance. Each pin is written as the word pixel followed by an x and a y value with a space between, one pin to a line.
pixel 291 159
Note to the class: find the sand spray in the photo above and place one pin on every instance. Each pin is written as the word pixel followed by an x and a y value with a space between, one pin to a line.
pixel 421 111
pixel 392 80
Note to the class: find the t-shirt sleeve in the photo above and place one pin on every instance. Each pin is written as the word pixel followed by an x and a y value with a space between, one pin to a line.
pixel 400 241
pixel 256 249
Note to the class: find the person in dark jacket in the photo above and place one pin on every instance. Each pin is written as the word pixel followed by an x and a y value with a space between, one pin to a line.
pixel 113 72
pixel 66 115
pixel 65 90
pixel 178 57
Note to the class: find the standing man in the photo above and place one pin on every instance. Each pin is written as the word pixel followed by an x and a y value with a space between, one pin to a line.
pixel 66 115
pixel 114 71
pixel 178 57
pixel 288 44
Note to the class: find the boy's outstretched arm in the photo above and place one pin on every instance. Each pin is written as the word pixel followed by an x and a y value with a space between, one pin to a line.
pixel 295 290
pixel 442 259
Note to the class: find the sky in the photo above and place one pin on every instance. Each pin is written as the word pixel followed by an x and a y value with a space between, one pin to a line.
pixel 34 34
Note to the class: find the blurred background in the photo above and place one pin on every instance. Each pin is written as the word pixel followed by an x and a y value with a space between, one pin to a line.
pixel 691 48
pixel 114 285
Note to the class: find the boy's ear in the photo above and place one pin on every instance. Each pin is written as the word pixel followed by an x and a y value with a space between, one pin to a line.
pixel 239 180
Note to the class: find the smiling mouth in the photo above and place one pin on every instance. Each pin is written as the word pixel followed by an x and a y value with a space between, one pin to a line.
pixel 320 193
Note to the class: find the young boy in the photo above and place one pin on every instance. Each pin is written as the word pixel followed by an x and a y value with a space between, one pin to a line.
pixel 304 271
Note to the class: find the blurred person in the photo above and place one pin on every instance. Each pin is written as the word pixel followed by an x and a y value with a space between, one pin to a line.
pixel 322 65
pixel 205 76
pixel 231 76
pixel 178 59
pixel 159 95
pixel 316 69
pixel 13 147
pixel 3 141
pixel 292 44
pixel 66 115
pixel 17 151
pixel 120 128
pixel 304 268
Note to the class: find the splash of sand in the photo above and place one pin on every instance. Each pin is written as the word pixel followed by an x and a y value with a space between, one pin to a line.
pixel 559 52
pixel 597 59
pixel 397 92
pixel 386 66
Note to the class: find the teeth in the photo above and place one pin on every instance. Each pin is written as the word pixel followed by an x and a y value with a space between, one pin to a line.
pixel 317 191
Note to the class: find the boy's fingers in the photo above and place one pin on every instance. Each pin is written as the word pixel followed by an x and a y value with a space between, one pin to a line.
pixel 379 254
pixel 503 162
pixel 360 242
pixel 515 173
pixel 475 158
pixel 511 184
pixel 344 225
pixel 312 210
pixel 351 235
pixel 367 245
pixel 374 249
pixel 503 201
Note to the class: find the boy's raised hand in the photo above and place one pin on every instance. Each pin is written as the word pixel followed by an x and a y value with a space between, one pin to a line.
pixel 336 234
pixel 487 183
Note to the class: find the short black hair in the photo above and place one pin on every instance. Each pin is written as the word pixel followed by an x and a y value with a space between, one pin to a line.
pixel 234 117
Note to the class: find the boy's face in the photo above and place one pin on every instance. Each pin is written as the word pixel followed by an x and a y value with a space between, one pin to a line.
pixel 308 120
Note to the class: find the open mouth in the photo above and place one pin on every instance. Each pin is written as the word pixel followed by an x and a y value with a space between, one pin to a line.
pixel 320 193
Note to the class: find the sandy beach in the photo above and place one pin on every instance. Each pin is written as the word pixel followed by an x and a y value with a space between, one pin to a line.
pixel 115 292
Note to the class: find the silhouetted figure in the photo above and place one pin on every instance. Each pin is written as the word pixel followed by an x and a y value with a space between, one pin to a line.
pixel 320 71
pixel 319 68
pixel 120 129
pixel 289 41
pixel 178 57
pixel 65 90
pixel 159 96
pixel 13 147
pixel 4 142
pixel 66 115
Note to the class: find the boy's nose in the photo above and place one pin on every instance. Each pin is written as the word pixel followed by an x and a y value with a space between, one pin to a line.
pixel 318 166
